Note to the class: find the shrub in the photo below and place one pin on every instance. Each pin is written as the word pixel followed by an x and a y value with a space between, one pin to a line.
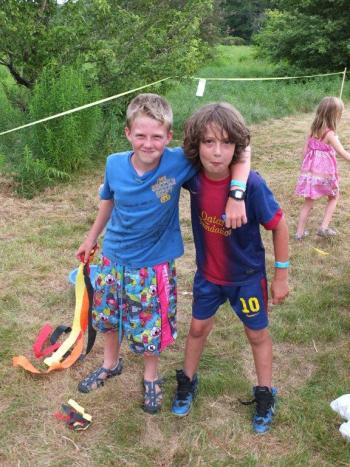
pixel 65 143
pixel 10 117
pixel 33 175
pixel 307 36
pixel 2 160
pixel 233 40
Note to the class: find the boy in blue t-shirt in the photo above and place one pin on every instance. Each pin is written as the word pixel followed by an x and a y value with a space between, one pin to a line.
pixel 135 287
pixel 230 263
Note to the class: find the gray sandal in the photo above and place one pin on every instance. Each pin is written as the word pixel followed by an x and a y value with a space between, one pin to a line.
pixel 303 235
pixel 98 377
pixel 153 396
pixel 326 233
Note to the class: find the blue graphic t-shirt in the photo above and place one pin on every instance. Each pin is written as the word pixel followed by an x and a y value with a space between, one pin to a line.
pixel 144 228
pixel 230 256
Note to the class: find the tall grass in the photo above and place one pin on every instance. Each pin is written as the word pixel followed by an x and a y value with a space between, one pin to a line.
pixel 236 62
pixel 47 153
pixel 256 100
pixel 64 143
pixel 10 115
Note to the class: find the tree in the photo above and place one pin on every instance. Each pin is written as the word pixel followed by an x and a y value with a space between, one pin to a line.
pixel 244 17
pixel 307 35
pixel 113 41
pixel 115 45
pixel 26 40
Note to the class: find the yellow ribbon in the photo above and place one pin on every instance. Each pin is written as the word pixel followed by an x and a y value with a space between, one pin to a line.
pixel 76 327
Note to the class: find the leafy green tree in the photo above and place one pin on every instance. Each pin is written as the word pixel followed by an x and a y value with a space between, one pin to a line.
pixel 115 42
pixel 307 35
pixel 27 38
pixel 243 18
pixel 69 54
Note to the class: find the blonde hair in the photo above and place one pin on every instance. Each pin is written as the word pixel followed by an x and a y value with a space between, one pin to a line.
pixel 327 116
pixel 151 105
pixel 221 115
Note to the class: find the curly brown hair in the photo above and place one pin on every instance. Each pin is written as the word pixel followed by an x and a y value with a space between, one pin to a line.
pixel 221 115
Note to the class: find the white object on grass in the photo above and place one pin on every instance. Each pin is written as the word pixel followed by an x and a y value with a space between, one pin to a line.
pixel 342 406
pixel 345 430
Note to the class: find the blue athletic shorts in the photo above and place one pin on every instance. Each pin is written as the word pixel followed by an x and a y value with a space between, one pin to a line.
pixel 248 301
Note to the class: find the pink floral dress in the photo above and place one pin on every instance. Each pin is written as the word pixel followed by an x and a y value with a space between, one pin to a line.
pixel 319 170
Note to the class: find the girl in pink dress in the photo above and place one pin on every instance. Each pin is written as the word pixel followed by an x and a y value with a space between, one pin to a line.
pixel 319 169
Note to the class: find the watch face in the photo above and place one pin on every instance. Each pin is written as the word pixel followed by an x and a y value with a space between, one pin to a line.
pixel 237 194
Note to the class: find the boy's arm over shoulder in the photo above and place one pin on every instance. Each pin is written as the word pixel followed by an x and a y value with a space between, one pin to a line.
pixel 235 211
pixel 184 164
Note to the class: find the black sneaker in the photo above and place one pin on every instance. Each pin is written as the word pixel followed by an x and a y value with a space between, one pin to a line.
pixel 185 394
pixel 265 408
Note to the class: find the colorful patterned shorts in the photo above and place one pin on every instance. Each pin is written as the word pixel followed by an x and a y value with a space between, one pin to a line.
pixel 139 303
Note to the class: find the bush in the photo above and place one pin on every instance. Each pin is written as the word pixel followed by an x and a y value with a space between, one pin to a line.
pixel 10 117
pixel 307 36
pixel 2 160
pixel 233 40
pixel 33 175
pixel 68 142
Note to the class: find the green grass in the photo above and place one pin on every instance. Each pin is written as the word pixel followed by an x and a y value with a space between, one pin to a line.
pixel 257 101
pixel 236 62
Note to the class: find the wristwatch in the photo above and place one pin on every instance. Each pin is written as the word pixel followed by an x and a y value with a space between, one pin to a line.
pixel 237 194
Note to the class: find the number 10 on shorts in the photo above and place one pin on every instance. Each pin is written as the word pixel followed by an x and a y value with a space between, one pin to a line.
pixel 250 305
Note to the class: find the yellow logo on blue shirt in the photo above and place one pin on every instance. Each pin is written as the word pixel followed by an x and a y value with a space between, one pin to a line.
pixel 163 188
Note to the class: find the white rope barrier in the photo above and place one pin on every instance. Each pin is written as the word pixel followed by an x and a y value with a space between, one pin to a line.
pixel 270 78
pixel 199 93
pixel 202 81
pixel 82 107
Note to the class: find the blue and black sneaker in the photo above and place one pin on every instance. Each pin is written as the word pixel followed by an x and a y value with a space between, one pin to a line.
pixel 185 394
pixel 265 399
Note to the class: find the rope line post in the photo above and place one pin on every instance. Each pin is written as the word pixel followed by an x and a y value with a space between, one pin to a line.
pixel 342 83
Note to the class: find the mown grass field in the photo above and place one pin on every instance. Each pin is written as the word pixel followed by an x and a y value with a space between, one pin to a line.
pixel 310 333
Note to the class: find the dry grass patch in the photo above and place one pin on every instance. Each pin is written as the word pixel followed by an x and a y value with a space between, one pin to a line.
pixel 293 365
